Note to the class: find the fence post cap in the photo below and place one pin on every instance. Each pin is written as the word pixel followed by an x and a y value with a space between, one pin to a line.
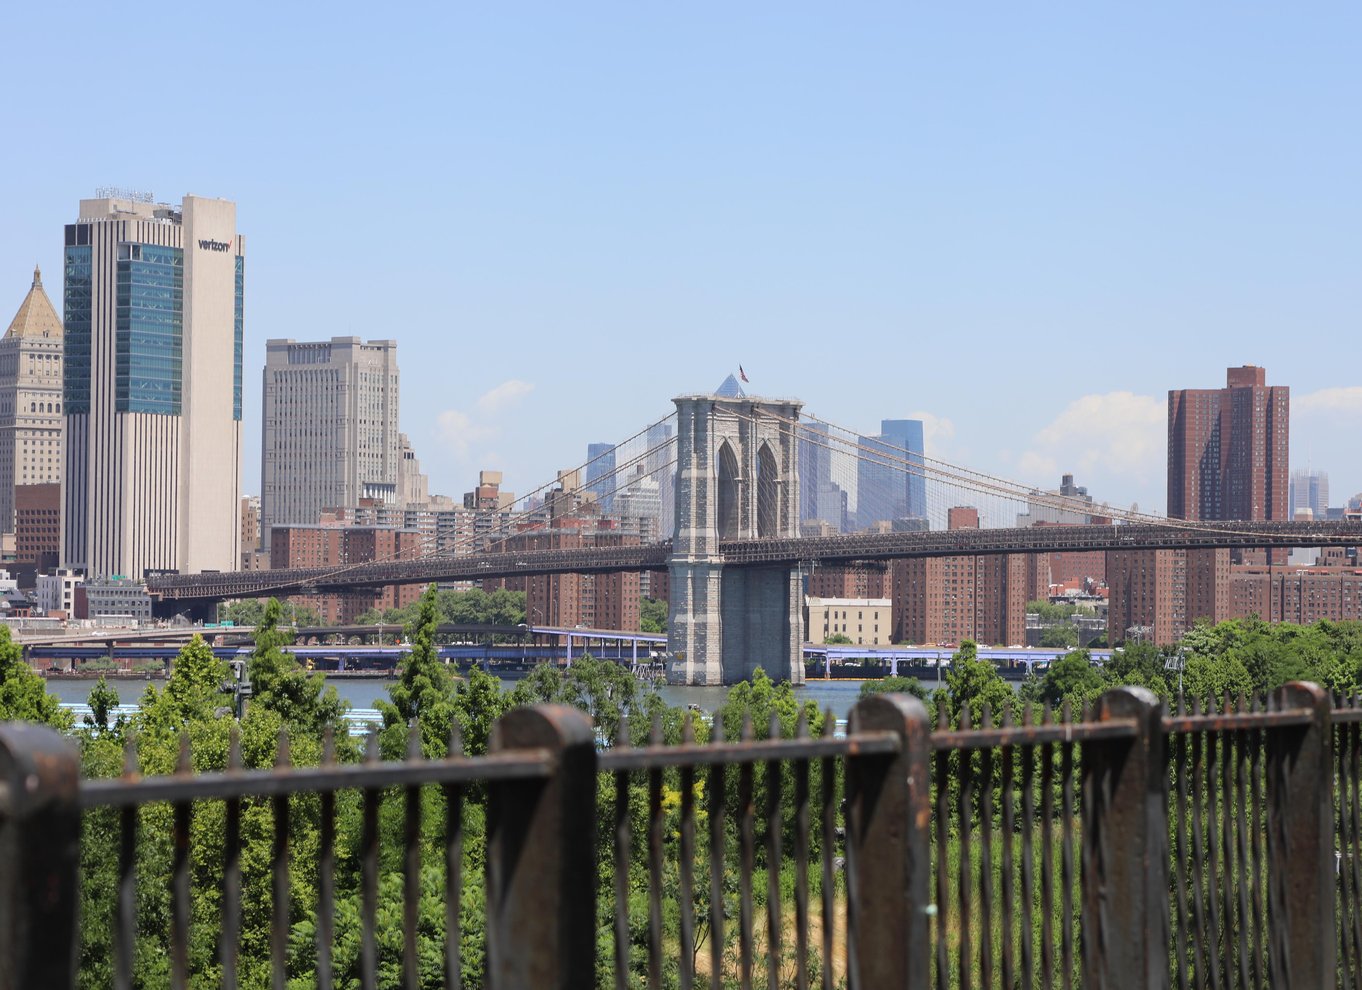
pixel 1124 701
pixel 39 765
pixel 878 711
pixel 553 726
pixel 1303 694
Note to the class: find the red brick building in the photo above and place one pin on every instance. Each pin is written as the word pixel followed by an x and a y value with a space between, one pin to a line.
pixel 341 546
pixel 951 599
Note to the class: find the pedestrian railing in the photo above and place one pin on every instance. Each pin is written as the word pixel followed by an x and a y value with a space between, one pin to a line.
pixel 1214 846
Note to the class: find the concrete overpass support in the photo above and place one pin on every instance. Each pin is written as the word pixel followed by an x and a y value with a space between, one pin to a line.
pixel 737 478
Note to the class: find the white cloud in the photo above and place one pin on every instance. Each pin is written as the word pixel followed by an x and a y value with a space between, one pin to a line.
pixel 1117 435
pixel 460 434
pixel 505 395
pixel 467 435
pixel 1346 400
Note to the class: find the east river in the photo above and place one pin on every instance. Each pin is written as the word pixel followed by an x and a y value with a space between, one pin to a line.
pixel 362 692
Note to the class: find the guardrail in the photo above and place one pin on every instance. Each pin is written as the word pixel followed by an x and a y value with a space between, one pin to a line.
pixel 1131 847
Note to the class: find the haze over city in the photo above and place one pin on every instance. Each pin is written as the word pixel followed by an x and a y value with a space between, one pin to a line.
pixel 1023 227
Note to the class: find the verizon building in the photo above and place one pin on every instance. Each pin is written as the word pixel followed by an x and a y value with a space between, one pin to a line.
pixel 152 386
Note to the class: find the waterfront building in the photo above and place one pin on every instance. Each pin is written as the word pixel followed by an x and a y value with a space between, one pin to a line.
pixel 153 307
pixel 331 434
pixel 864 621
pixel 31 422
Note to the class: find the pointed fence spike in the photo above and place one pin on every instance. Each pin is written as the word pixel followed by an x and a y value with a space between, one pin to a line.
pixel 1028 714
pixel 829 723
pixel 746 734
pixel 283 755
pixel 716 729
pixel 986 722
pixel 655 735
pixel 622 732
pixel 802 723
pixel 455 738
pixel 234 748
pixel 688 727
pixel 371 746
pixel 1066 712
pixel 1007 716
pixel 328 745
pixel 185 763
pixel 774 730
pixel 965 716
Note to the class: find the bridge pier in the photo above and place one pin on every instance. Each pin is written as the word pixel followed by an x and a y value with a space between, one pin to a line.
pixel 737 478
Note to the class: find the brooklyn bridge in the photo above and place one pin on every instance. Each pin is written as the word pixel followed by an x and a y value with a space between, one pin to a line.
pixel 736 553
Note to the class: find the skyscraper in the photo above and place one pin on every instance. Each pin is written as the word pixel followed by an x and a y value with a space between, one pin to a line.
pixel 889 481
pixel 331 429
pixel 30 400
pixel 1310 490
pixel 153 303
pixel 600 473
pixel 1228 449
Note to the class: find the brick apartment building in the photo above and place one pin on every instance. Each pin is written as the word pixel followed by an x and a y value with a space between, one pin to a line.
pixel 341 546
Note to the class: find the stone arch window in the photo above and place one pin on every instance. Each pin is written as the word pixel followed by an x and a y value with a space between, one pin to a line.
pixel 768 492
pixel 727 502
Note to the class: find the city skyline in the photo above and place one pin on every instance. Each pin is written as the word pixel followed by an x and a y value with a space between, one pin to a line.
pixel 705 199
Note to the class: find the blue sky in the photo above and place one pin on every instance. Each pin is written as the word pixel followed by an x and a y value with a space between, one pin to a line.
pixel 1024 223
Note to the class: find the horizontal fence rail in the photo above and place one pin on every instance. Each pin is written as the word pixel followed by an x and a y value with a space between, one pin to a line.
pixel 1217 844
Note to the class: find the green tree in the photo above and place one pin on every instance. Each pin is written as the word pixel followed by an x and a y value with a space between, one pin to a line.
pixel 976 683
pixel 103 702
pixel 652 615
pixel 1063 637
pixel 604 689
pixel 23 695
pixel 1070 678
pixel 894 685
pixel 837 639
pixel 192 694
pixel 303 701
pixel 424 691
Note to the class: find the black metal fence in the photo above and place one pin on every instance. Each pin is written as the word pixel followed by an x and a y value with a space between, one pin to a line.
pixel 1214 846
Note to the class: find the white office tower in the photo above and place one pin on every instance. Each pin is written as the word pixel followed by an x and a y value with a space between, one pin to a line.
pixel 331 429
pixel 30 399
pixel 153 314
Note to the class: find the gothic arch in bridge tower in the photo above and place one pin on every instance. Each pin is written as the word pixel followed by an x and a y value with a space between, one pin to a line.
pixel 737 472
pixel 727 505
pixel 768 492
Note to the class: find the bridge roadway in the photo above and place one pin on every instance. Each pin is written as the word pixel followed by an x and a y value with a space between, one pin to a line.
pixel 199 588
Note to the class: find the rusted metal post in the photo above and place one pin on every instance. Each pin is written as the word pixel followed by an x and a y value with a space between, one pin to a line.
pixel 889 816
pixel 1125 847
pixel 39 858
pixel 1300 841
pixel 541 875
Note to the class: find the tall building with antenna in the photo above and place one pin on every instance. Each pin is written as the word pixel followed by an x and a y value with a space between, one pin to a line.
pixel 153 306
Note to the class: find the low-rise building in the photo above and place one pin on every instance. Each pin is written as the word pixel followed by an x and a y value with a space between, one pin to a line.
pixel 864 621
pixel 56 592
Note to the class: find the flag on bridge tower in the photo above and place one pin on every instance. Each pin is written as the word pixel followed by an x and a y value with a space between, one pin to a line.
pixel 742 374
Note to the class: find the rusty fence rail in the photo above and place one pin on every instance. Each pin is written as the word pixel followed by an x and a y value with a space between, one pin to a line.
pixel 1216 845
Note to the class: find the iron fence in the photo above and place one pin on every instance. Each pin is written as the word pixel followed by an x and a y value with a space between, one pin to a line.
pixel 1216 845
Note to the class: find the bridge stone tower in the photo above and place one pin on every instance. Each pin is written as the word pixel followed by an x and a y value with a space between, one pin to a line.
pixel 737 478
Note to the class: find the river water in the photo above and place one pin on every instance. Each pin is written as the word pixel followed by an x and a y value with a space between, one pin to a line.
pixel 362 692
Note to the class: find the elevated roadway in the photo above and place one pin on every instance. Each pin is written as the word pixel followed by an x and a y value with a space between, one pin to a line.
pixel 203 588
